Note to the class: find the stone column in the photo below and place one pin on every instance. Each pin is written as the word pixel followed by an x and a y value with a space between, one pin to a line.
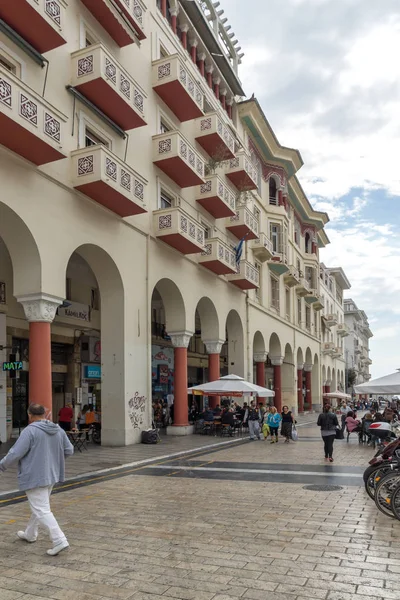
pixel 164 8
pixel 201 63
pixel 222 98
pixel 180 342
pixel 308 371
pixel 259 359
pixel 209 71
pixel 216 81
pixel 184 30
pixel 40 310
pixel 174 14
pixel 213 349
pixel 300 399
pixel 3 377
pixel 193 50
pixel 277 363
pixel 229 105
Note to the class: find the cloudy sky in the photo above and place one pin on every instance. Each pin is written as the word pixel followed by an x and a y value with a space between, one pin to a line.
pixel 327 73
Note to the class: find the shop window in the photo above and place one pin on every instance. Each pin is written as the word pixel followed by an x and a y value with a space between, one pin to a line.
pixel 274 293
pixel 94 299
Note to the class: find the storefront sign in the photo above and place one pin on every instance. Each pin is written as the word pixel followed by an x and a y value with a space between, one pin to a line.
pixel 81 312
pixel 92 372
pixel 12 366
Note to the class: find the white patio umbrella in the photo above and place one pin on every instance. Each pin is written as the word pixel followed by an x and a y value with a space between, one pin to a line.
pixel 230 385
pixel 389 384
pixel 338 394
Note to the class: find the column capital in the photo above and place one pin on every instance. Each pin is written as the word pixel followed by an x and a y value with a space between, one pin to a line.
pixel 194 42
pixel 217 80
pixel 174 11
pixel 214 346
pixel 184 27
pixel 260 357
pixel 300 366
pixel 180 339
pixel 229 101
pixel 328 382
pixel 223 92
pixel 308 368
pixel 40 308
pixel 202 56
pixel 209 68
pixel 277 361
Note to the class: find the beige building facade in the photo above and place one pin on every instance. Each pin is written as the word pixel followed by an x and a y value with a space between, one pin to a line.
pixel 153 232
pixel 357 351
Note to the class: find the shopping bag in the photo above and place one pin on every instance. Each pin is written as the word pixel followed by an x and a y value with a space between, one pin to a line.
pixel 265 430
pixel 339 434
pixel 295 435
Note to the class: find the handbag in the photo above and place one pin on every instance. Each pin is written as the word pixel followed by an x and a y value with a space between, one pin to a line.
pixel 339 434
pixel 295 435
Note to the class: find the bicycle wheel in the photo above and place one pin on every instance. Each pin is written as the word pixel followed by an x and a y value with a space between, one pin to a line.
pixel 384 491
pixel 395 502
pixel 374 476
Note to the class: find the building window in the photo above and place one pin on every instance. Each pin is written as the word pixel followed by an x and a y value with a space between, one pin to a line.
pixel 8 63
pixel 94 299
pixel 207 230
pixel 308 318
pixel 165 200
pixel 287 303
pixel 68 288
pixel 273 192
pixel 90 39
pixel 299 315
pixel 310 277
pixel 92 139
pixel 307 242
pixel 164 127
pixel 274 293
pixel 257 214
pixel 258 290
pixel 276 237
pixel 163 51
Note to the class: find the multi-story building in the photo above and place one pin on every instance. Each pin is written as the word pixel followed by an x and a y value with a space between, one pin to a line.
pixel 132 176
pixel 333 282
pixel 357 356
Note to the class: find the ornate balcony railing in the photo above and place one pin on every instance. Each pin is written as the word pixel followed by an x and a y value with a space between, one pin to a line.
pixel 218 257
pixel 173 154
pixel 241 171
pixel 262 247
pixel 177 229
pixel 122 19
pixel 243 223
pixel 247 277
pixel 216 197
pixel 215 137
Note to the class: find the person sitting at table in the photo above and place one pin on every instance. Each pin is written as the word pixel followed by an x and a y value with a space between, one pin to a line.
pixel 217 411
pixel 208 415
pixel 228 418
pixel 65 416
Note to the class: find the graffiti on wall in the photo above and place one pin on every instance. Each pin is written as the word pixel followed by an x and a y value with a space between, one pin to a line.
pixel 136 410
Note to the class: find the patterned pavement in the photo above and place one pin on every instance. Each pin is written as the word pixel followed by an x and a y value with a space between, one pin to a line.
pixel 162 533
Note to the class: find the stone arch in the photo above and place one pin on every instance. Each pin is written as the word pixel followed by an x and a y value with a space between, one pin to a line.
pixel 258 343
pixel 209 319
pixel 334 381
pixel 275 348
pixel 235 339
pixel 329 375
pixel 23 251
pixel 289 395
pixel 309 360
pixel 300 357
pixel 174 305
pixel 114 368
pixel 323 374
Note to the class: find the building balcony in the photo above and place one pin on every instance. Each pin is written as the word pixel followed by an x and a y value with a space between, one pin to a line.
pixel 247 278
pixel 242 173
pixel 330 320
pixel 215 137
pixel 313 298
pixel 29 125
pixel 278 263
pixel 262 247
pixel 173 154
pixel 357 350
pixel 101 79
pixel 174 227
pixel 242 224
pixel 216 197
pixel 102 176
pixel 337 352
pixel 342 329
pixel 176 85
pixel 218 257
pixel 122 19
pixel 328 348
pixel 303 288
pixel 39 22
pixel 291 277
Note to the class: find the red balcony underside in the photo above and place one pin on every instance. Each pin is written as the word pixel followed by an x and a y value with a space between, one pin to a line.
pixel 110 198
pixel 241 230
pixel 26 144
pixel 179 242
pixel 179 172
pixel 242 181
pixel 139 31
pixel 178 100
pixel 107 19
pixel 216 207
pixel 30 25
pixel 218 267
pixel 106 99
pixel 215 146
pixel 243 284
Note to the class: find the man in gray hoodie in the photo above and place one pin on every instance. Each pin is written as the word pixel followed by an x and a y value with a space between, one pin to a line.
pixel 40 452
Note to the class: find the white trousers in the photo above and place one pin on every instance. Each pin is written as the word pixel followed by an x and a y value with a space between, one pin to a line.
pixel 39 501
pixel 254 429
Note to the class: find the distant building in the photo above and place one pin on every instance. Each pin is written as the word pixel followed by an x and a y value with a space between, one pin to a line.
pixel 357 343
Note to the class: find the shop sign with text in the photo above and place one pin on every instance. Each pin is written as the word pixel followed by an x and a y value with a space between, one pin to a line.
pixel 75 310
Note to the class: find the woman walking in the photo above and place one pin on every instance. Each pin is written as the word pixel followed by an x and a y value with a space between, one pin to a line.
pixel 328 422
pixel 287 423
pixel 273 421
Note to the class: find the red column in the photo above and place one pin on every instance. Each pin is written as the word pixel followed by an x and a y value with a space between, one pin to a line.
pixel 201 63
pixel 40 383
pixel 174 15
pixel 180 388
pixel 277 384
pixel 300 400
pixel 217 81
pixel 223 100
pixel 280 197
pixel 164 8
pixel 261 373
pixel 213 375
pixel 184 29
pixel 308 389
pixel 229 108
pixel 328 389
pixel 193 53
pixel 209 71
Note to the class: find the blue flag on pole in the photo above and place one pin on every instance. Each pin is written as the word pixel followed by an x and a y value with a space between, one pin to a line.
pixel 239 250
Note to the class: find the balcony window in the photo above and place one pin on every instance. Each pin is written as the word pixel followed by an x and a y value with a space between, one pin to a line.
pixel 274 293
pixel 257 214
pixel 258 290
pixel 308 318
pixel 276 237
pixel 287 303
pixel 299 315
pixel 307 242
pixel 165 200
pixel 273 192
pixel 91 139
pixel 164 127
